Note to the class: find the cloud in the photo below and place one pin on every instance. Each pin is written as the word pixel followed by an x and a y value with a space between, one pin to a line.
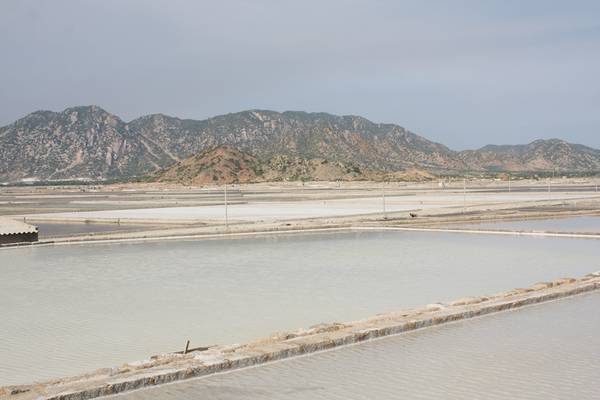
pixel 464 73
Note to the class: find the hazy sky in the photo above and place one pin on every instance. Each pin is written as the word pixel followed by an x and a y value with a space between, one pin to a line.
pixel 464 73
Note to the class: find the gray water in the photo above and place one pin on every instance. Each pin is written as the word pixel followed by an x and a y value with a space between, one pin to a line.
pixel 587 224
pixel 68 309
pixel 549 351
pixel 55 229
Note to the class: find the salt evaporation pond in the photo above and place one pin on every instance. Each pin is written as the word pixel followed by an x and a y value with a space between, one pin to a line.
pixel 275 210
pixel 549 351
pixel 69 309
pixel 584 224
pixel 54 230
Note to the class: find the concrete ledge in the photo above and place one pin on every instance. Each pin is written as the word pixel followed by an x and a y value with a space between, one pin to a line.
pixel 167 368
pixel 500 232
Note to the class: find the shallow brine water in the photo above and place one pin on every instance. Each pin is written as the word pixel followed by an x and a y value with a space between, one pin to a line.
pixel 68 309
pixel 54 230
pixel 549 351
pixel 586 224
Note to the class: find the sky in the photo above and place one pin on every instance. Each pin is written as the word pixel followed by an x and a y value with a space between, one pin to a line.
pixel 463 73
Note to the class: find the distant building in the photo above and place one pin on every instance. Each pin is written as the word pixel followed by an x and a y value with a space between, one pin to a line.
pixel 12 231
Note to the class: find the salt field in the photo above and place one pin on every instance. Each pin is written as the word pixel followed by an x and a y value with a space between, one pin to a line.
pixel 277 210
pixel 383 200
pixel 122 302
pixel 551 351
pixel 584 224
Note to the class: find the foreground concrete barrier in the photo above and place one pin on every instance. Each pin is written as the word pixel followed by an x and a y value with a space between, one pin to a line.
pixel 174 367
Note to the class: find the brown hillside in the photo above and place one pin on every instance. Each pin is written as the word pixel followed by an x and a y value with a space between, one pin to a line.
pixel 223 164
pixel 226 164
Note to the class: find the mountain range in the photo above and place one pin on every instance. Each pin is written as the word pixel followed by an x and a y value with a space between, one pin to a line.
pixel 90 143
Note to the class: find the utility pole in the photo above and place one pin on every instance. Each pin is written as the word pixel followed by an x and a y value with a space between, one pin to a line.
pixel 464 195
pixel 383 200
pixel 226 216
pixel 509 183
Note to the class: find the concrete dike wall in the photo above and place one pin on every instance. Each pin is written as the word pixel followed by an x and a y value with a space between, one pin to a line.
pixel 167 368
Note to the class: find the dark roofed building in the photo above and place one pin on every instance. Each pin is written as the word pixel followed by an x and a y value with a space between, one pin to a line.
pixel 12 231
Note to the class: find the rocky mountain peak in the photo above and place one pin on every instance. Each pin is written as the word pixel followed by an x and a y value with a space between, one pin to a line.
pixel 89 142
